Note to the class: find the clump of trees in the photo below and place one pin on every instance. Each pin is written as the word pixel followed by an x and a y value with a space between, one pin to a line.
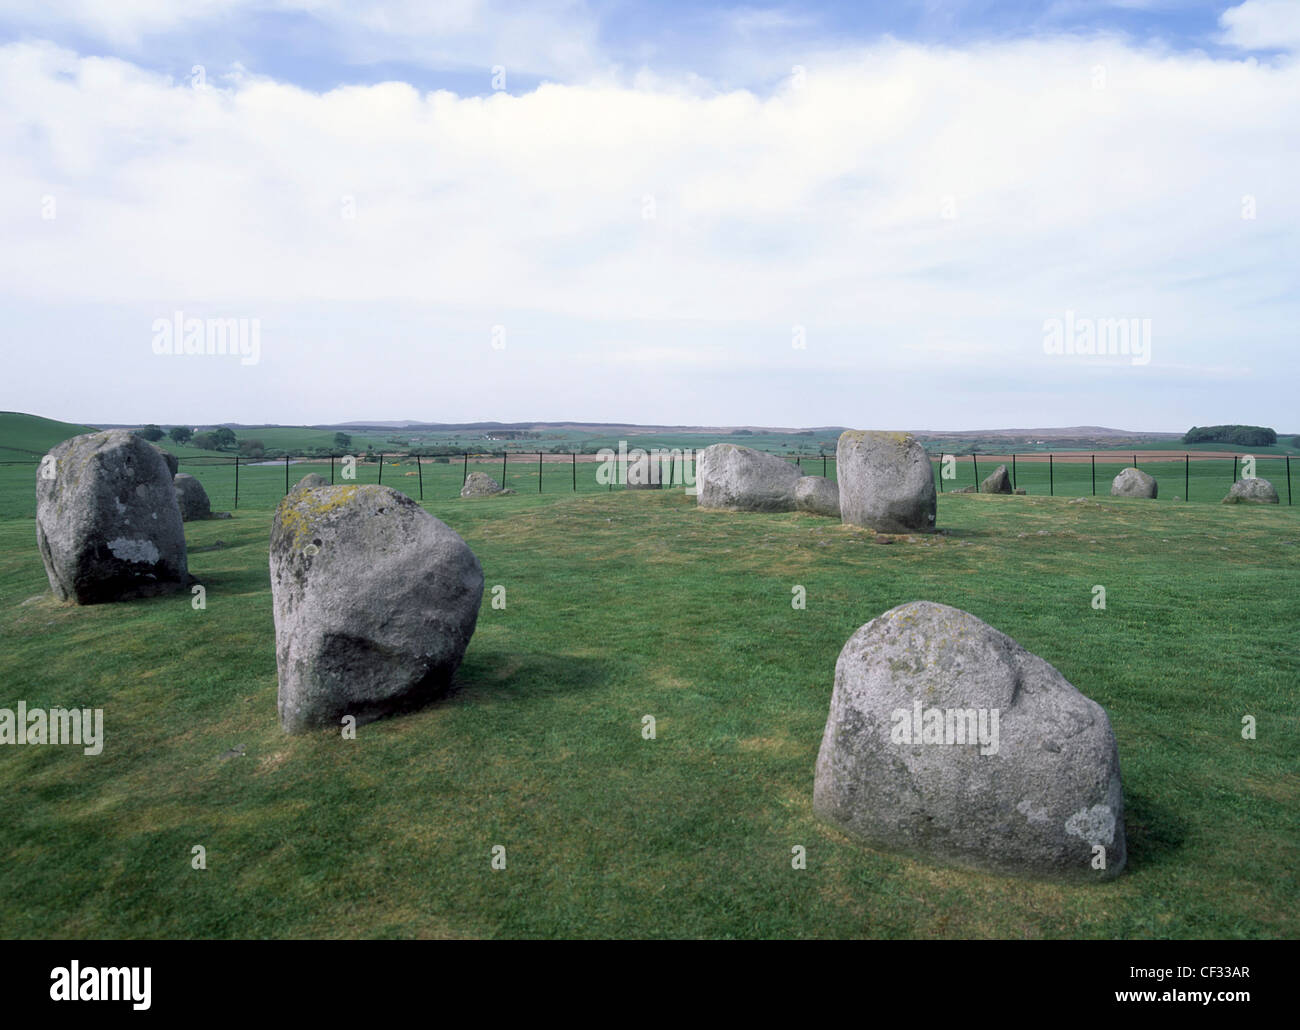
pixel 150 432
pixel 1242 436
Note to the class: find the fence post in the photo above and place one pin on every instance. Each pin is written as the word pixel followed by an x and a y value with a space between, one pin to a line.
pixel 419 469
pixel 503 468
pixel 381 466
pixel 539 472
pixel 823 466
pixel 1234 468
pixel 237 480
pixel 1187 477
pixel 286 473
pixel 575 472
pixel 940 470
pixel 1288 479
pixel 465 473
pixel 1135 461
pixel 1094 474
pixel 1051 477
pixel 975 462
pixel 331 470
pixel 1013 472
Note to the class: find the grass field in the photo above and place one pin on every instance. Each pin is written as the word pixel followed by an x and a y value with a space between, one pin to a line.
pixel 622 604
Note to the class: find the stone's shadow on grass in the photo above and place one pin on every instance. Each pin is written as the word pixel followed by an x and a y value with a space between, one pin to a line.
pixel 487 676
pixel 1154 833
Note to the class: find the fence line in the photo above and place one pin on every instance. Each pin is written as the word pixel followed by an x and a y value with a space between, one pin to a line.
pixel 1069 459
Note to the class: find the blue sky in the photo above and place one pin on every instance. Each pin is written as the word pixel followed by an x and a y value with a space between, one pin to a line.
pixel 862 214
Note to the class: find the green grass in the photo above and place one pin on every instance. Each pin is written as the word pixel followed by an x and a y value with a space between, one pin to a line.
pixel 24 437
pixel 622 604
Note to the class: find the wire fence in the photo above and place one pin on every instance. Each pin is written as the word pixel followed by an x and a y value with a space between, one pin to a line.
pixel 235 481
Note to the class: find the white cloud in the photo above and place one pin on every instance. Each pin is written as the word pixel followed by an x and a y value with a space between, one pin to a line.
pixel 1262 25
pixel 821 205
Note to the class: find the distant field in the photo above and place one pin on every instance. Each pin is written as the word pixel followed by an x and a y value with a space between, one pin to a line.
pixel 622 604
pixel 30 436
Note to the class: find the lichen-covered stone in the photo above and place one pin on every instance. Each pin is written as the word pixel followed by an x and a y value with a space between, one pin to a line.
pixel 997 482
pixel 1252 491
pixel 1133 482
pixel 947 740
pixel 191 498
pixel 886 482
pixel 817 495
pixel 107 522
pixel 374 601
pixel 734 478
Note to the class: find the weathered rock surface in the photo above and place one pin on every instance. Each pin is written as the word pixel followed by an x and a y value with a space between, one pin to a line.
pixel 311 481
pixel 1133 482
pixel 1252 491
pixel 173 463
pixel 480 484
pixel 886 482
pixel 374 599
pixel 191 498
pixel 742 479
pixel 817 495
pixel 1034 794
pixel 107 522
pixel 997 482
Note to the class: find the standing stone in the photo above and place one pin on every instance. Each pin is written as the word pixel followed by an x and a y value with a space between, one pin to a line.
pixel 948 740
pixel 1252 491
pixel 1133 482
pixel 374 601
pixel 192 498
pixel 742 479
pixel 997 482
pixel 480 484
pixel 886 483
pixel 817 495
pixel 107 522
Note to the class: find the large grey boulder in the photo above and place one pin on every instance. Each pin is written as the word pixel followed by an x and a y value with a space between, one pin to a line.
pixel 1252 491
pixel 374 599
pixel 997 482
pixel 1132 482
pixel 1034 793
pixel 191 498
pixel 886 483
pixel 480 484
pixel 107 522
pixel 643 471
pixel 817 495
pixel 742 479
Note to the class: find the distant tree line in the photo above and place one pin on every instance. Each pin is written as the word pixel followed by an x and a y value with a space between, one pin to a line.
pixel 1242 436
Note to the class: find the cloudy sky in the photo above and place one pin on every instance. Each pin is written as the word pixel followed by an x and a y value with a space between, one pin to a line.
pixel 652 212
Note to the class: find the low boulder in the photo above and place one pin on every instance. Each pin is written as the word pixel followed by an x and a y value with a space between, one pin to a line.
pixel 191 498
pixel 1252 491
pixel 818 495
pixel 997 482
pixel 311 481
pixel 1020 490
pixel 962 490
pixel 1133 482
pixel 108 524
pixel 480 484
pixel 886 482
pixel 949 741
pixel 374 600
pixel 736 478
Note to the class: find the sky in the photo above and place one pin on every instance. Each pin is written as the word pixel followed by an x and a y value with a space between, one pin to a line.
pixel 918 215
